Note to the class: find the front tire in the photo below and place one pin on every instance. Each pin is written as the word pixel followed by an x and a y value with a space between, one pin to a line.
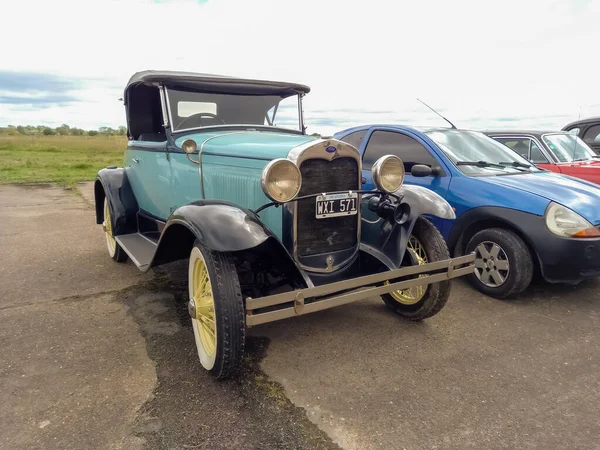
pixel 503 263
pixel 417 303
pixel 217 311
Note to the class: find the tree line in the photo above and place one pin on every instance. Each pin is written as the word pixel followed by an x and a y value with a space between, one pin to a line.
pixel 63 130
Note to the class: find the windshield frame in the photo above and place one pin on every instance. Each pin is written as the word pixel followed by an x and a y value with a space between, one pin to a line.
pixel 300 130
pixel 475 171
pixel 591 153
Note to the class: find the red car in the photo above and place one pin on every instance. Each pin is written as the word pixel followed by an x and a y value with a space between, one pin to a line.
pixel 558 151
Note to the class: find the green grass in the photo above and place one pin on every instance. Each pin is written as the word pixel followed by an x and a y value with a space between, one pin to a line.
pixel 64 160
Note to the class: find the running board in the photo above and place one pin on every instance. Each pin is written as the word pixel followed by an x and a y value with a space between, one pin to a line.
pixel 139 248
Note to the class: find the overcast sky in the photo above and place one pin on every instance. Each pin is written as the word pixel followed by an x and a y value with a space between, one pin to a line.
pixel 521 63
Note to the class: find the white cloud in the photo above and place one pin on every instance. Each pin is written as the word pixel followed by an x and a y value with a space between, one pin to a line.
pixel 476 61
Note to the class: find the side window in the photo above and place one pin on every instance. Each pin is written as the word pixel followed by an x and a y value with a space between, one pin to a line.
pixel 574 131
pixel 392 143
pixel 521 146
pixel 592 134
pixel 355 139
pixel 536 154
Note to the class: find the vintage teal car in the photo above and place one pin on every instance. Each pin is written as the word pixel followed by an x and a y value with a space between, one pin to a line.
pixel 220 170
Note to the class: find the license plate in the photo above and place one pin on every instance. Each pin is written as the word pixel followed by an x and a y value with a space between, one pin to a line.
pixel 335 205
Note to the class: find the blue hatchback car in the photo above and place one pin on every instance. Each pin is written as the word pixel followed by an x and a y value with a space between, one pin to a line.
pixel 515 216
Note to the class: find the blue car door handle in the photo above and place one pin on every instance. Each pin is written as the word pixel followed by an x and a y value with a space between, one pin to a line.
pixel 135 160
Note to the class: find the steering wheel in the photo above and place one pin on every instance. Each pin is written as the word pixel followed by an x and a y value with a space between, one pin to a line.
pixel 198 116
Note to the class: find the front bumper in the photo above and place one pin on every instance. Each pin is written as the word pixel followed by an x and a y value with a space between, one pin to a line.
pixel 304 301
pixel 565 260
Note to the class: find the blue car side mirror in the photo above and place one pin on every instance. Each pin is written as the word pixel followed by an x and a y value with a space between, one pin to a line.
pixel 421 170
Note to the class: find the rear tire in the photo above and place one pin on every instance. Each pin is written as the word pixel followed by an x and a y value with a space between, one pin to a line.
pixel 114 249
pixel 435 296
pixel 217 310
pixel 503 263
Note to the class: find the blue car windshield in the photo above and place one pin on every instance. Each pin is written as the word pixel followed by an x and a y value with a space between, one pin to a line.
pixel 471 146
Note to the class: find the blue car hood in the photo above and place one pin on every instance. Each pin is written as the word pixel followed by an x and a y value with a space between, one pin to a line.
pixel 581 196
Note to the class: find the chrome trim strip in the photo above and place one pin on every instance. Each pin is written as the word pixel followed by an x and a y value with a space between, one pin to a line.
pixel 163 106
pixel 229 125
pixel 301 114
pixel 366 282
pixel 315 149
pixel 170 114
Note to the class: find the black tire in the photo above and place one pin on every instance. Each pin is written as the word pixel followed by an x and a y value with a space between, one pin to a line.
pixel 115 251
pixel 120 256
pixel 229 312
pixel 436 294
pixel 520 264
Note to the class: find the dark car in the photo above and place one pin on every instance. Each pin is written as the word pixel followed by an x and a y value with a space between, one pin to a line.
pixel 558 151
pixel 588 130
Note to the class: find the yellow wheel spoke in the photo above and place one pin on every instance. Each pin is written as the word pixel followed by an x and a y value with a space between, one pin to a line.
pixel 205 306
pixel 412 295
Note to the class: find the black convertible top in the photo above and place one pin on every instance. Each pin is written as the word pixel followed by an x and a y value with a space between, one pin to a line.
pixel 218 84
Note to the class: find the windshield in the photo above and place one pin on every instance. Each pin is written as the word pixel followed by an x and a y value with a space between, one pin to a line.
pixel 472 146
pixel 568 147
pixel 198 109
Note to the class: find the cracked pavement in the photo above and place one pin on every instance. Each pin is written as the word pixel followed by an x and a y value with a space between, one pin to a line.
pixel 98 355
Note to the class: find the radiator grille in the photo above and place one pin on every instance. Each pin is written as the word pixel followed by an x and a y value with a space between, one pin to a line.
pixel 314 235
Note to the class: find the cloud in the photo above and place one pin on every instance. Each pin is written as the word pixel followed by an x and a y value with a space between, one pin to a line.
pixel 39 101
pixel 365 63
pixel 15 81
pixel 43 90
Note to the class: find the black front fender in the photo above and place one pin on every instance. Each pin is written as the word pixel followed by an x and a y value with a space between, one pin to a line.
pixel 387 240
pixel 112 184
pixel 426 202
pixel 220 226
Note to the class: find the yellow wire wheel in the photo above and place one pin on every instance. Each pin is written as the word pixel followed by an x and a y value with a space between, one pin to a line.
pixel 111 244
pixel 217 310
pixel 204 320
pixel 425 245
pixel 414 294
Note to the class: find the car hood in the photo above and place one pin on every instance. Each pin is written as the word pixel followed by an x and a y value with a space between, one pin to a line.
pixel 581 196
pixel 265 145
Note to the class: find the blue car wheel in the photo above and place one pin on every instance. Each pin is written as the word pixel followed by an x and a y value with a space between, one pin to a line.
pixel 503 263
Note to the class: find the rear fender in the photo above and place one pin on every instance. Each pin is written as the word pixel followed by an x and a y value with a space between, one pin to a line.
pixel 112 184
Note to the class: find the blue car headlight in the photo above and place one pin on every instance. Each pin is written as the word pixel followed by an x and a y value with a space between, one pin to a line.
pixel 565 222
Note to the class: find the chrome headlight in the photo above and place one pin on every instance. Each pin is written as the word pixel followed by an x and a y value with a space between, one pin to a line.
pixel 564 222
pixel 281 180
pixel 388 173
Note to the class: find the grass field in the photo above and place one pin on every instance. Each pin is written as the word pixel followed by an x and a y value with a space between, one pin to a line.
pixel 57 159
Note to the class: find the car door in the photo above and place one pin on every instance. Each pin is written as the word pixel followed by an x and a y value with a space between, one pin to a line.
pixel 148 168
pixel 413 150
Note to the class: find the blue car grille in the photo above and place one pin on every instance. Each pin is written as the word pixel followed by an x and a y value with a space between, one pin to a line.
pixel 314 236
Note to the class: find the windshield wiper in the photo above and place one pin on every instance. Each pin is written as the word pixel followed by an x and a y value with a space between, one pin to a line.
pixel 479 164
pixel 515 164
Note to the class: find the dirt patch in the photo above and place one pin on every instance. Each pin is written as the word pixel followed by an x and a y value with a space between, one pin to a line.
pixel 189 409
